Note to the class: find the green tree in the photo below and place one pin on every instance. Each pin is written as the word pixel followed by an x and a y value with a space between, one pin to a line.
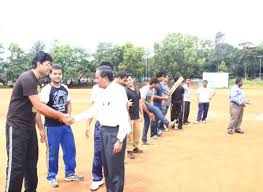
pixel 17 62
pixel 132 60
pixel 179 54
pixel 3 78
pixel 75 62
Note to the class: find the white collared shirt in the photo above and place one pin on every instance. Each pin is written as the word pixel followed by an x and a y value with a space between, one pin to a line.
pixel 111 109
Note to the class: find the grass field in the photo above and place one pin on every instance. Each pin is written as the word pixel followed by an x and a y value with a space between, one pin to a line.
pixel 200 158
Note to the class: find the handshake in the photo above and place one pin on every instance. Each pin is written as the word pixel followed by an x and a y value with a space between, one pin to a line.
pixel 67 119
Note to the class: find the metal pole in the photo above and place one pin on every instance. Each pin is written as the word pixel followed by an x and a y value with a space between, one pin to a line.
pixel 260 69
pixel 259 74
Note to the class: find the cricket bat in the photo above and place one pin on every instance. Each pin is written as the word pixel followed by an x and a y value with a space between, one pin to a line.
pixel 175 85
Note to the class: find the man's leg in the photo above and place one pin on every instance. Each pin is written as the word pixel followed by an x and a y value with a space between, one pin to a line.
pixel 186 111
pixel 158 113
pixel 53 140
pixel 164 111
pixel 180 115
pixel 239 119
pixel 234 114
pixel 113 164
pixel 31 178
pixel 130 141
pixel 206 108
pixel 200 112
pixel 173 111
pixel 177 111
pixel 154 127
pixel 136 133
pixel 16 147
pixel 69 152
pixel 145 127
pixel 97 159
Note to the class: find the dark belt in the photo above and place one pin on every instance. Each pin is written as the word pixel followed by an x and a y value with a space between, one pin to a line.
pixel 234 102
pixel 105 126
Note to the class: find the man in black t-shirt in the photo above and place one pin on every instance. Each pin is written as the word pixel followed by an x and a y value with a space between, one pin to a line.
pixel 177 105
pixel 21 138
pixel 135 112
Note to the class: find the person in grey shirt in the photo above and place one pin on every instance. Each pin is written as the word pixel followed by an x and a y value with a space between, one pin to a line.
pixel 237 104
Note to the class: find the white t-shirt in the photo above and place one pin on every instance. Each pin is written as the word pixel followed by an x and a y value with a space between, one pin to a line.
pixel 204 94
pixel 45 92
pixel 146 93
pixel 187 93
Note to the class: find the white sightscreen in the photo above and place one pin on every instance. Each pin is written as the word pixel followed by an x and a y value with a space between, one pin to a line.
pixel 216 80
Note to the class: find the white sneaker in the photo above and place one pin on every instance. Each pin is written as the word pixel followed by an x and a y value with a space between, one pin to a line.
pixel 165 130
pixel 95 185
pixel 53 183
pixel 74 177
pixel 154 137
pixel 196 122
pixel 172 124
pixel 204 121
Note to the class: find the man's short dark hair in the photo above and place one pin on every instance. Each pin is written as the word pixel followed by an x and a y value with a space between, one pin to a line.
pixel 153 80
pixel 160 74
pixel 106 71
pixel 121 74
pixel 107 63
pixel 176 78
pixel 204 81
pixel 238 80
pixel 41 57
pixel 58 67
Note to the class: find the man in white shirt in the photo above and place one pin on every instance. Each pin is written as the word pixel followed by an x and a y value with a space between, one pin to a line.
pixel 205 94
pixel 97 175
pixel 113 116
pixel 187 100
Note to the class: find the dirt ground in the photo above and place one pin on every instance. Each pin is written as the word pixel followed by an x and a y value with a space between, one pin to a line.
pixel 200 158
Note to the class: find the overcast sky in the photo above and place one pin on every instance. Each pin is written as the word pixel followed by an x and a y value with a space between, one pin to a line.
pixel 85 23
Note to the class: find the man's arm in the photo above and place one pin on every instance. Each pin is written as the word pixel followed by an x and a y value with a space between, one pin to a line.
pixel 144 107
pixel 212 94
pixel 43 136
pixel 48 111
pixel 160 97
pixel 69 107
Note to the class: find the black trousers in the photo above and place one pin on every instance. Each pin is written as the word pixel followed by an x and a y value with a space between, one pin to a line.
pixel 186 111
pixel 113 164
pixel 177 113
pixel 22 152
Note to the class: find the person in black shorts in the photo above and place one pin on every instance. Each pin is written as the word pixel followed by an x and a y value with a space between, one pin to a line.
pixel 21 137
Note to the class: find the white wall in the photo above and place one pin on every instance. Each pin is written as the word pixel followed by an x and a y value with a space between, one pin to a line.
pixel 216 80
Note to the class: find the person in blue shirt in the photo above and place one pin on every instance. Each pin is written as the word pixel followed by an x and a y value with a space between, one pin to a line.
pixel 237 104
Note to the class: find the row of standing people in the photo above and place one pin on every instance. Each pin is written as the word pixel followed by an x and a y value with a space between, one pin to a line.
pixel 116 118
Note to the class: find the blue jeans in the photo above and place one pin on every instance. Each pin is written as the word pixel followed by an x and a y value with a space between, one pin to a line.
pixel 202 111
pixel 164 109
pixel 60 135
pixel 97 159
pixel 158 115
